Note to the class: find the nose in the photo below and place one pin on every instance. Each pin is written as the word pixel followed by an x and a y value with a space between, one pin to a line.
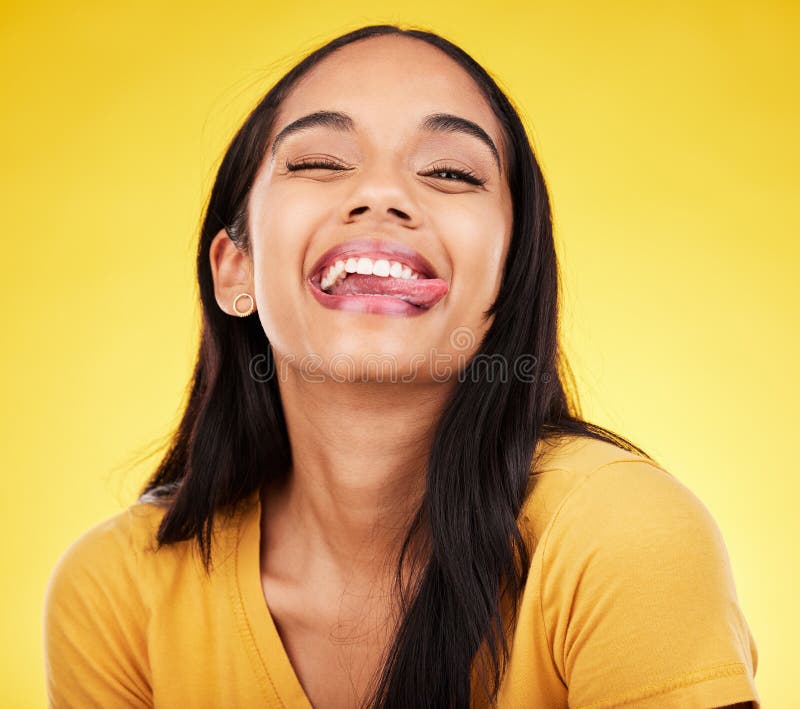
pixel 381 195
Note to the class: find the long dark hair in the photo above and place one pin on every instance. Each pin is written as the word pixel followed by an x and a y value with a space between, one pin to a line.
pixel 233 437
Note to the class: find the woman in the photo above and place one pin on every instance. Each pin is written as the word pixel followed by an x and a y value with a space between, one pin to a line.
pixel 394 499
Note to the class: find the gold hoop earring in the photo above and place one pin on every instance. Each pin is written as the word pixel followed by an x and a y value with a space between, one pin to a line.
pixel 249 310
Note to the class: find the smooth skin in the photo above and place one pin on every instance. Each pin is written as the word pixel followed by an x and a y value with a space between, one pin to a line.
pixel 360 441
pixel 331 536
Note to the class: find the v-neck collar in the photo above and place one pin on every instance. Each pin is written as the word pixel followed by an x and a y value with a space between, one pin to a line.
pixel 264 643
pixel 269 658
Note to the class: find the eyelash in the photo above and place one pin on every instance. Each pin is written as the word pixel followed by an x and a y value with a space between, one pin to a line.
pixel 464 176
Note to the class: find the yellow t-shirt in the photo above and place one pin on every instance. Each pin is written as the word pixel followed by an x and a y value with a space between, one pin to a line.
pixel 630 601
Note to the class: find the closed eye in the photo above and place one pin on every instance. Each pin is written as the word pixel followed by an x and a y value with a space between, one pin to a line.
pixel 436 171
pixel 314 164
pixel 462 175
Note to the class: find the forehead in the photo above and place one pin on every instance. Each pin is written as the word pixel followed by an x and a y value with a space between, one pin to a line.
pixel 388 84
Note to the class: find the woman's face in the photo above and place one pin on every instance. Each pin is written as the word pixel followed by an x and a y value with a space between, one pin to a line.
pixel 387 180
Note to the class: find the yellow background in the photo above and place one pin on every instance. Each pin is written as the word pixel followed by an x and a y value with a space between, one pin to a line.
pixel 667 133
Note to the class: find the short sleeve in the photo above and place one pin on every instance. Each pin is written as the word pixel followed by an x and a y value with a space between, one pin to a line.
pixel 95 623
pixel 638 598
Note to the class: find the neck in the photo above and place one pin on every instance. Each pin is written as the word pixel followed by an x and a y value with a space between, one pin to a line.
pixel 358 475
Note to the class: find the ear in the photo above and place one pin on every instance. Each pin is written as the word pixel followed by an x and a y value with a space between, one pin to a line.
pixel 232 270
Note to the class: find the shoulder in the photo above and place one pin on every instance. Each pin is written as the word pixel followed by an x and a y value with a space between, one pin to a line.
pixel 125 534
pixel 597 506
pixel 636 589
pixel 119 558
pixel 106 602
pixel 96 615
pixel 592 492
pixel 122 552
pixel 565 466
pixel 107 555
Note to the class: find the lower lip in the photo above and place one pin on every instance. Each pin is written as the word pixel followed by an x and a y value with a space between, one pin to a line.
pixel 377 304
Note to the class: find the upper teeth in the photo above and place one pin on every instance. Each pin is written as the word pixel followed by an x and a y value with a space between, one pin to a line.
pixel 366 266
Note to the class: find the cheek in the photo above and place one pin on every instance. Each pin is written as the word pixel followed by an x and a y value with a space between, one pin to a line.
pixel 477 239
pixel 280 225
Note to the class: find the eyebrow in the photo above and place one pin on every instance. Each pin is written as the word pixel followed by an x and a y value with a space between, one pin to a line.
pixel 433 123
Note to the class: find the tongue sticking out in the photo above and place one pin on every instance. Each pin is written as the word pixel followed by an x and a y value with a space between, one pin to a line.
pixel 422 292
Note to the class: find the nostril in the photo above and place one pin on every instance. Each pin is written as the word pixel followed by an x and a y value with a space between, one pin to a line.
pixel 400 214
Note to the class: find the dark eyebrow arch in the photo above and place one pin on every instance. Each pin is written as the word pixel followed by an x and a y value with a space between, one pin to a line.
pixel 326 119
pixel 448 123
pixel 434 123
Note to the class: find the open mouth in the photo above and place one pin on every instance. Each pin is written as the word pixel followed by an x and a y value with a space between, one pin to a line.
pixel 379 278
pixel 376 275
